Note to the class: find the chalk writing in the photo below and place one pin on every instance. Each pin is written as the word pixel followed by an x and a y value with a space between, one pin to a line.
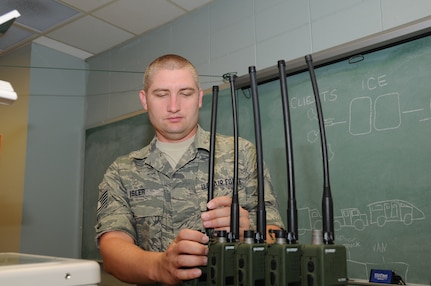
pixel 380 247
pixel 374 82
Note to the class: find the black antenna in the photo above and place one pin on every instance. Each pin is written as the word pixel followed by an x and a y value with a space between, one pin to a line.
pixel 327 204
pixel 234 209
pixel 292 212
pixel 213 129
pixel 261 212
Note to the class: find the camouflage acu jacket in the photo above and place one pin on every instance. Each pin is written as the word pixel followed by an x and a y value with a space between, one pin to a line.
pixel 142 195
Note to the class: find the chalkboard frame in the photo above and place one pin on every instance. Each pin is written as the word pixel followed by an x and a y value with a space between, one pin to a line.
pixel 395 36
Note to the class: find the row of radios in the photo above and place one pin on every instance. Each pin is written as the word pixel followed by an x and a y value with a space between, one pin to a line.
pixel 279 263
pixel 254 262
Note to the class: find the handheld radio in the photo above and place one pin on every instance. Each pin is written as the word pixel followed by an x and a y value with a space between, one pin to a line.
pixel 283 258
pixel 323 264
pixel 202 280
pixel 250 255
pixel 221 252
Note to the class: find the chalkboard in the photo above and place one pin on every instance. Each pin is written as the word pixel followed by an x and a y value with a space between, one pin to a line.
pixel 377 110
pixel 102 146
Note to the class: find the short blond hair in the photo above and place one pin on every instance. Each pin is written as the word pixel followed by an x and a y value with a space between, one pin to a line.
pixel 169 62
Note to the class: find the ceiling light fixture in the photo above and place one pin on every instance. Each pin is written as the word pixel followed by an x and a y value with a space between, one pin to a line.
pixel 7 94
pixel 6 21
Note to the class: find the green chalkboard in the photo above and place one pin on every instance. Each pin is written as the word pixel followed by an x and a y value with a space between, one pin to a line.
pixel 103 145
pixel 377 110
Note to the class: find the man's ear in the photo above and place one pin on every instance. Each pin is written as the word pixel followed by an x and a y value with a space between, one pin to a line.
pixel 201 94
pixel 143 98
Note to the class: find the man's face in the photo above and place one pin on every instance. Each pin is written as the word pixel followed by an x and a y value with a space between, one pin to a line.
pixel 173 101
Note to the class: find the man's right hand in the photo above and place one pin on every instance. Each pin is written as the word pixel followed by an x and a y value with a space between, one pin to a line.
pixel 129 263
pixel 187 252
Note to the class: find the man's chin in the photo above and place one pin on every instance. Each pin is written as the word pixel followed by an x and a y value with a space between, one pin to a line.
pixel 178 134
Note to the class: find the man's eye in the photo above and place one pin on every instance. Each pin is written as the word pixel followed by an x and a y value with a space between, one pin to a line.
pixel 186 93
pixel 161 94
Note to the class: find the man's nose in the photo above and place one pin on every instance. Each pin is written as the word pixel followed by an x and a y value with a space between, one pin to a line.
pixel 174 103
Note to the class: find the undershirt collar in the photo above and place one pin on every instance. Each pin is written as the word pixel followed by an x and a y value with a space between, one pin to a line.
pixel 174 151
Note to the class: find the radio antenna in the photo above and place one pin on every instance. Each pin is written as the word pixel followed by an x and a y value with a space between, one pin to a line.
pixel 234 209
pixel 261 212
pixel 327 203
pixel 292 212
pixel 213 130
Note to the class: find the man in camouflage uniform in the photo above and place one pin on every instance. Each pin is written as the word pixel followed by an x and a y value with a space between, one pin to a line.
pixel 153 202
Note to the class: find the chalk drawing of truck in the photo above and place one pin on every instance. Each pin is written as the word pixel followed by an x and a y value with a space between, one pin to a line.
pixel 308 219
pixel 351 217
pixel 380 213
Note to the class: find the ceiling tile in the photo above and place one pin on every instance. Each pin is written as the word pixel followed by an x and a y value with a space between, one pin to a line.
pixel 138 16
pixel 90 34
pixel 86 5
pixel 14 36
pixel 190 5
pixel 39 15
pixel 93 26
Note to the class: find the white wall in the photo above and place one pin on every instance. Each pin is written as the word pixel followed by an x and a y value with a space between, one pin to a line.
pixel 52 203
pixel 13 132
pixel 231 35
